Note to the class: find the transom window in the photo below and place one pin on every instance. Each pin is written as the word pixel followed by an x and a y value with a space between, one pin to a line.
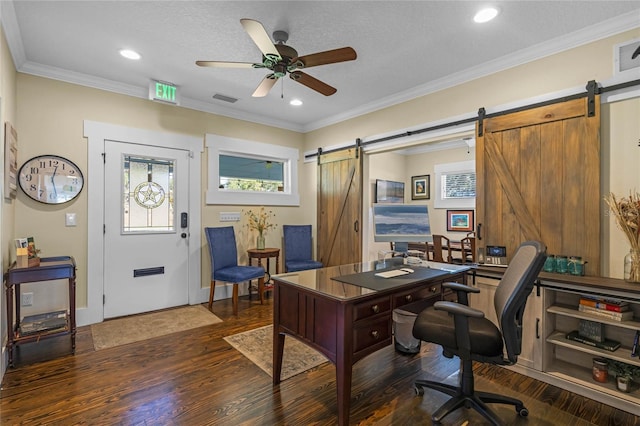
pixel 244 172
pixel 251 174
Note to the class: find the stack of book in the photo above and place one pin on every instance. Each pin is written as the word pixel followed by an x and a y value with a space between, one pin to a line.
pixel 614 310
pixel 607 344
pixel 47 322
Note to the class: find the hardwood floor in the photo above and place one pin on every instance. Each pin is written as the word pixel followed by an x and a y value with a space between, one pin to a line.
pixel 196 378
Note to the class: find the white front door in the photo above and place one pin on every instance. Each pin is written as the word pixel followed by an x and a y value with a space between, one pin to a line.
pixel 146 251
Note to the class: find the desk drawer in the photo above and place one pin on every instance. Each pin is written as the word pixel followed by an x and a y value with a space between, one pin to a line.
pixel 425 292
pixel 372 307
pixel 371 334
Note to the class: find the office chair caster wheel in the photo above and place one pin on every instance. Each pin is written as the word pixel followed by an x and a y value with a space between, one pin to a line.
pixel 522 411
pixel 419 390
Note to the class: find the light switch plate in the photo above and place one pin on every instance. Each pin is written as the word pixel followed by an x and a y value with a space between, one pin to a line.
pixel 70 219
pixel 229 216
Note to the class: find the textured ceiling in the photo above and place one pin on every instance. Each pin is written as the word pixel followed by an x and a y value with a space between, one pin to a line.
pixel 405 48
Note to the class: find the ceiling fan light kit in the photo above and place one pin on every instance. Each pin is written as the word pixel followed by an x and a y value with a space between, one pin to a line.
pixel 281 59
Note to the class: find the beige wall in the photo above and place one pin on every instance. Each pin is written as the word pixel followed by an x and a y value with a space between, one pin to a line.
pixel 620 159
pixel 7 113
pixel 7 208
pixel 51 115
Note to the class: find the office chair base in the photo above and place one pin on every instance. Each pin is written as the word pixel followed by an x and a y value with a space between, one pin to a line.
pixel 476 400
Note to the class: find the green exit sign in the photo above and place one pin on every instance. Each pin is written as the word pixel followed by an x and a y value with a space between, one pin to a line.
pixel 163 92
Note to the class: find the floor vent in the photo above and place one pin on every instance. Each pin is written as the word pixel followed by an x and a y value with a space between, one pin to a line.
pixel 623 53
pixel 224 98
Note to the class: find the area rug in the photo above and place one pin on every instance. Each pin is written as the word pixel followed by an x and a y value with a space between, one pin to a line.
pixel 136 328
pixel 257 345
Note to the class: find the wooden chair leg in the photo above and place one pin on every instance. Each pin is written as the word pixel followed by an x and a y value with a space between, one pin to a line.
pixel 235 299
pixel 212 290
pixel 261 289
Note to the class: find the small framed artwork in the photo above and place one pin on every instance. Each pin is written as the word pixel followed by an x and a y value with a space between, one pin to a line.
pixel 10 161
pixel 388 191
pixel 420 186
pixel 460 220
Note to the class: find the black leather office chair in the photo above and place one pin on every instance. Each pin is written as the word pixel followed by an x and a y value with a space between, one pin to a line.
pixel 465 332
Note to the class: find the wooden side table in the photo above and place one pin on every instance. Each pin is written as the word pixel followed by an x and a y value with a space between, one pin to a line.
pixel 50 268
pixel 265 253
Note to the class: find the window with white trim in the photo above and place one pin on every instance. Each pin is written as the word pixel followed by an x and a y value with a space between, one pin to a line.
pixel 251 173
pixel 455 185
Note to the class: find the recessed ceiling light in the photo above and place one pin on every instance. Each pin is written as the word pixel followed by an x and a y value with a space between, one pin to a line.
pixel 295 102
pixel 485 15
pixel 130 54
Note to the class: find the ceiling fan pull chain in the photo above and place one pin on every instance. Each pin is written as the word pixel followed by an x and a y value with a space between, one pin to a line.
pixel 282 87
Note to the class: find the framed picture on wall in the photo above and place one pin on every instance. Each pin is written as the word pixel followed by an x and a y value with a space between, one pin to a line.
pixel 10 161
pixel 388 191
pixel 460 220
pixel 420 187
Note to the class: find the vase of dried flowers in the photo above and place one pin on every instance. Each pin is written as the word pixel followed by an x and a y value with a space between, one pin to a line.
pixel 626 211
pixel 632 266
pixel 260 221
pixel 260 242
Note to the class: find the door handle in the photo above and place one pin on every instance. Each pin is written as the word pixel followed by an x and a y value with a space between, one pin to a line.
pixel 184 220
pixel 479 229
pixel 355 226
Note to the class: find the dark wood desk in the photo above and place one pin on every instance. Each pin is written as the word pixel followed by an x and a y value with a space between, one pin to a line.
pixel 345 322
pixel 51 268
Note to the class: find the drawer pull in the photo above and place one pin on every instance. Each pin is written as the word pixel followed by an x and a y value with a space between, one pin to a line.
pixel 408 298
pixel 375 309
pixel 434 289
pixel 375 334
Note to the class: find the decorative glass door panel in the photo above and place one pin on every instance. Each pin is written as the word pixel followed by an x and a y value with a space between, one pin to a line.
pixel 148 195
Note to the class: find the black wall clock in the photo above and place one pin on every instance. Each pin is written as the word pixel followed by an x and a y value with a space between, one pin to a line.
pixel 51 179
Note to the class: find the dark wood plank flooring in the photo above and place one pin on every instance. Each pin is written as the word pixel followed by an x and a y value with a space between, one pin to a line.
pixel 196 378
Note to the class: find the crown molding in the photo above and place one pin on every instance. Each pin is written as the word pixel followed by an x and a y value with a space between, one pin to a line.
pixel 604 29
pixel 596 32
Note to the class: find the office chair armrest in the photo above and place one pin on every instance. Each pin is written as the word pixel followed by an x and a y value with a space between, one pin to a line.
pixel 461 287
pixel 458 309
pixel 462 291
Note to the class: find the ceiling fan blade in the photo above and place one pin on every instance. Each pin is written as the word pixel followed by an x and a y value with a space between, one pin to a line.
pixel 313 83
pixel 265 85
pixel 260 37
pixel 221 64
pixel 327 57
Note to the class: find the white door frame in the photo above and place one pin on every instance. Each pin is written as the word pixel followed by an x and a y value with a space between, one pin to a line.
pixel 96 133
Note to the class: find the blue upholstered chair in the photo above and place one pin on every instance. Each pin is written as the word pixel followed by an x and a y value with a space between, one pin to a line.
pixel 224 264
pixel 297 248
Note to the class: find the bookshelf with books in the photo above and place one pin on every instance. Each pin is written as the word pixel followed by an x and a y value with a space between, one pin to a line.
pixel 554 312
pixel 583 322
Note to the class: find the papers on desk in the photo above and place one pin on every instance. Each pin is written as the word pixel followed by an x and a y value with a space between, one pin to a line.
pixel 393 273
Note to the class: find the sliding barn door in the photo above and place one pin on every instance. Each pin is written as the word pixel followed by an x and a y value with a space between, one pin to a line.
pixel 538 177
pixel 340 207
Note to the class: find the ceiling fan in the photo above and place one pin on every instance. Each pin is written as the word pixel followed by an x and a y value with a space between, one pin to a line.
pixel 282 59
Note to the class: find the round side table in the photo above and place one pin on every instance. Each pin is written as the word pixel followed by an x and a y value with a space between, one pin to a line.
pixel 265 253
